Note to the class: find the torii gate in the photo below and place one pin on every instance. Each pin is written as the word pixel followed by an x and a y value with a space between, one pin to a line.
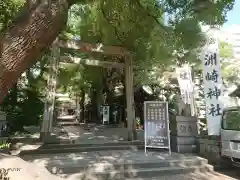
pixel 89 48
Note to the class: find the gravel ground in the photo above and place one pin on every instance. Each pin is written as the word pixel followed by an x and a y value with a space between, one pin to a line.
pixel 234 172
pixel 15 168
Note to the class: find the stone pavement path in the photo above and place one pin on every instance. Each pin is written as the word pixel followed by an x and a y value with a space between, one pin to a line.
pixel 32 141
pixel 79 133
pixel 92 133
pixel 95 133
pixel 98 134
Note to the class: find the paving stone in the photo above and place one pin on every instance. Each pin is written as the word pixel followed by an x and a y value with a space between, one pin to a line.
pixel 104 159
pixel 116 154
pixel 103 154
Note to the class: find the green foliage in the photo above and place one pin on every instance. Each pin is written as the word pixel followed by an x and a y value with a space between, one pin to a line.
pixel 230 70
pixel 70 78
pixel 206 11
pixel 139 26
pixel 24 106
pixel 225 50
pixel 8 9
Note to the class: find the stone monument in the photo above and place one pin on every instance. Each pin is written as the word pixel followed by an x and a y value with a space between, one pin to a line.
pixel 184 129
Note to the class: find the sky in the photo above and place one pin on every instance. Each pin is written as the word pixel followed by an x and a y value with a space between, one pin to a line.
pixel 233 15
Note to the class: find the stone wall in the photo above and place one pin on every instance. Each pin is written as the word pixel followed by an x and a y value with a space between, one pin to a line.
pixel 183 134
pixel 209 148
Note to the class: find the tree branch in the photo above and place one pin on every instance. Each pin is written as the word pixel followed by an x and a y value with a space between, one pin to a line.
pixel 109 21
pixel 147 12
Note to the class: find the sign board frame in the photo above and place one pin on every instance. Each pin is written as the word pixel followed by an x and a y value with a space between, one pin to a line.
pixel 105 117
pixel 146 128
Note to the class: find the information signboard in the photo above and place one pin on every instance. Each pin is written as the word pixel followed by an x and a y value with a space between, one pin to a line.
pixel 156 125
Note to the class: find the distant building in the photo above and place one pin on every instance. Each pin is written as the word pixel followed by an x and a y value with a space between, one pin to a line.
pixel 231 35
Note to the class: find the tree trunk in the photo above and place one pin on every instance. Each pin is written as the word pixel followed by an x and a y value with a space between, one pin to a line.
pixel 14 97
pixel 36 28
pixel 82 106
pixel 94 104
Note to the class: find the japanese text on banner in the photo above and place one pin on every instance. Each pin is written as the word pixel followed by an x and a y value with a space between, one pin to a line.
pixel 212 89
pixel 185 83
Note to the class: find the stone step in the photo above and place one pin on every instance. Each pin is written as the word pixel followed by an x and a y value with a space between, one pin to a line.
pixel 112 174
pixel 67 145
pixel 79 149
pixel 188 176
pixel 103 165
pixel 67 123
pixel 70 167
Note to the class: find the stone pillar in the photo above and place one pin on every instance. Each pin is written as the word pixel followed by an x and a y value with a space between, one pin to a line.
pixel 131 121
pixel 46 128
pixel 184 132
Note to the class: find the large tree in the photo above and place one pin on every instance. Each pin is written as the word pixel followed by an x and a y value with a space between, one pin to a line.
pixel 39 22
pixel 36 27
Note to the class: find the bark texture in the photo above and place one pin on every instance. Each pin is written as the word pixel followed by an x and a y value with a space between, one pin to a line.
pixel 35 29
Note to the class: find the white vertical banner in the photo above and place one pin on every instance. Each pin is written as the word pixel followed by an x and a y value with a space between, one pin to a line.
pixel 213 89
pixel 185 82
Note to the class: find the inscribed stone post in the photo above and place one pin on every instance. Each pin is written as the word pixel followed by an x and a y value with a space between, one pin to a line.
pixel 212 85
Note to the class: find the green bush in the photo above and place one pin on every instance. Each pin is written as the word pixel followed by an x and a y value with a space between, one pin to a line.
pixel 24 107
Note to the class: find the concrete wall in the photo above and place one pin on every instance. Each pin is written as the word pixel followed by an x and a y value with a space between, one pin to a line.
pixel 209 148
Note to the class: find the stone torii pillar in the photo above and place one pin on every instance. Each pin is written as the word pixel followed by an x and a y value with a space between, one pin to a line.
pixel 46 128
pixel 131 120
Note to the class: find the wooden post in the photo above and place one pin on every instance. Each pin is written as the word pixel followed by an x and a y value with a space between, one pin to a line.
pixel 131 121
pixel 55 66
pixel 50 93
